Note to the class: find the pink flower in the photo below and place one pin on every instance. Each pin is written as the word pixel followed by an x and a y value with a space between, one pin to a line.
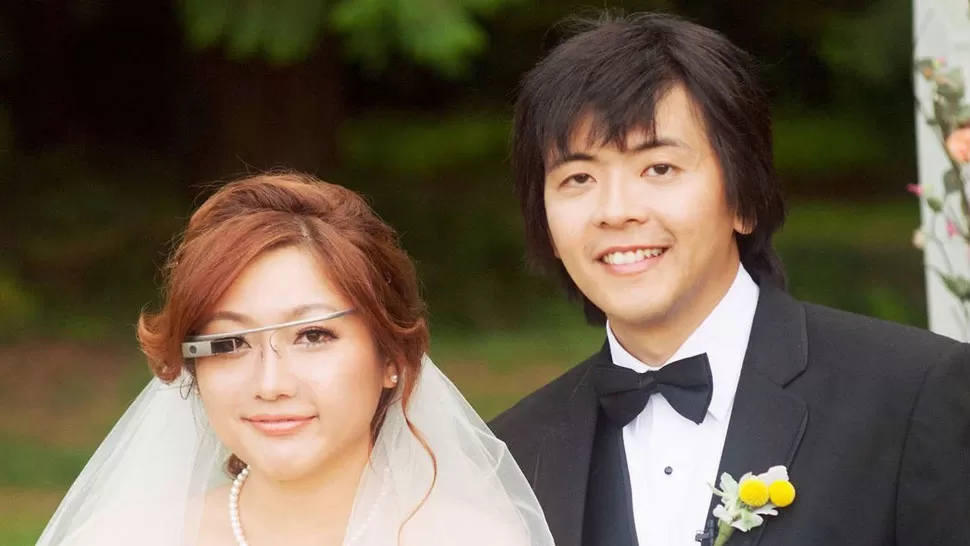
pixel 958 144
pixel 914 189
pixel 951 228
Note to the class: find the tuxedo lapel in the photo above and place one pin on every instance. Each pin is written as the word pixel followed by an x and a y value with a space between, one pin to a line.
pixel 767 422
pixel 562 470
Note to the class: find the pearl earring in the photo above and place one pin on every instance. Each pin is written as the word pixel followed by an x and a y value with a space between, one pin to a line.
pixel 394 378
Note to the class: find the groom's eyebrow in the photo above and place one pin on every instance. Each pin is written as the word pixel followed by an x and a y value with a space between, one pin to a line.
pixel 649 144
pixel 561 160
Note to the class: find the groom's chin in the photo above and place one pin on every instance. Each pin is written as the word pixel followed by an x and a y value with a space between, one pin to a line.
pixel 641 308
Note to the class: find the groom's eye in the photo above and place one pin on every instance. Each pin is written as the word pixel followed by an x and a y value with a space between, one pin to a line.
pixel 660 169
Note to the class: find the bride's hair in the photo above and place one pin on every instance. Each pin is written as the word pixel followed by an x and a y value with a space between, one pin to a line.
pixel 253 215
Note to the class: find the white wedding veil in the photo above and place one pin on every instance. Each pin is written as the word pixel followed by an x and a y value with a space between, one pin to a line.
pixel 147 481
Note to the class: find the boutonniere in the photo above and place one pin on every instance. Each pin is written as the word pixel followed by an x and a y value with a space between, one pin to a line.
pixel 745 502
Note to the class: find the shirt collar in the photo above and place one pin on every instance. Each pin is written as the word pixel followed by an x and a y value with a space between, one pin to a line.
pixel 723 335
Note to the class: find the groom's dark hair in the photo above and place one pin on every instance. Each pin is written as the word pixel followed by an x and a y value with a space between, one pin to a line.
pixel 616 70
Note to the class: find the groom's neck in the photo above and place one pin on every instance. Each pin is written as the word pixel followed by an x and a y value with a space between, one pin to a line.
pixel 655 341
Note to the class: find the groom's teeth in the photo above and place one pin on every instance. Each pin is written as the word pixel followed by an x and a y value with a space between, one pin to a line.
pixel 630 257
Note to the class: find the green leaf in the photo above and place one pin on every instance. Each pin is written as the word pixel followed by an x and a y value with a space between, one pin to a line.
pixel 926 67
pixel 962 117
pixel 943 113
pixel 935 204
pixel 952 182
pixel 748 521
pixel 957 285
pixel 950 86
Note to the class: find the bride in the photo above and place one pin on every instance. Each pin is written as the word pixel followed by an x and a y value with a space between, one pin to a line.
pixel 293 402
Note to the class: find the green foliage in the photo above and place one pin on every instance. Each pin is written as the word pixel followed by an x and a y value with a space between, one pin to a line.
pixel 872 47
pixel 435 33
pixel 27 462
pixel 949 115
pixel 807 143
pixel 404 145
pixel 281 30
pixel 440 34
pixel 18 307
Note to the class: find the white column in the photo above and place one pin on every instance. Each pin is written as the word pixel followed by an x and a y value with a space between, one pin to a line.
pixel 941 30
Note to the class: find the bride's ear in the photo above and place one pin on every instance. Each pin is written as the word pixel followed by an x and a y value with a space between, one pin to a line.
pixel 391 376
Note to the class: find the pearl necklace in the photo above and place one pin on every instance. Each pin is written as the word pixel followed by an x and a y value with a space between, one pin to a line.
pixel 237 525
pixel 234 507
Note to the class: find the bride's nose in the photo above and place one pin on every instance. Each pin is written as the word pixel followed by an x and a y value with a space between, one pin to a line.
pixel 272 375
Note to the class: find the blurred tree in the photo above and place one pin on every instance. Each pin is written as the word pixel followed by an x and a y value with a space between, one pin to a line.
pixel 290 118
pixel 872 47
pixel 442 35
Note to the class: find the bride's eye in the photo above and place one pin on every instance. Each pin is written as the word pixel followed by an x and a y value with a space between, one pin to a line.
pixel 240 343
pixel 230 346
pixel 314 336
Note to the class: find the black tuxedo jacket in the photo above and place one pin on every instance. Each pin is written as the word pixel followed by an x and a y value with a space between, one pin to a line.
pixel 871 418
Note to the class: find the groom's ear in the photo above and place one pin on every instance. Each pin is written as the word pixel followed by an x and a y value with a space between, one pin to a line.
pixel 742 226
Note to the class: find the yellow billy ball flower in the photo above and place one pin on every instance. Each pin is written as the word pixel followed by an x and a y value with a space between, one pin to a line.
pixel 781 493
pixel 753 492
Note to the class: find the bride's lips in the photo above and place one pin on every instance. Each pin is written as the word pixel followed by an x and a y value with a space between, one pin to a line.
pixel 279 425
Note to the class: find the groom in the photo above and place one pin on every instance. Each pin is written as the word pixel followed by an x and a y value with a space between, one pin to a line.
pixel 643 159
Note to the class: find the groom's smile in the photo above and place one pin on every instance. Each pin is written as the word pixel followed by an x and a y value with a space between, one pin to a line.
pixel 630 260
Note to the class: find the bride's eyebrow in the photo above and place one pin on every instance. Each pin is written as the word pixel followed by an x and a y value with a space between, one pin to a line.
pixel 301 310
pixel 230 316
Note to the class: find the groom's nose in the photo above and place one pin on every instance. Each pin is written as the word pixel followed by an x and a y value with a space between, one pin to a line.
pixel 620 200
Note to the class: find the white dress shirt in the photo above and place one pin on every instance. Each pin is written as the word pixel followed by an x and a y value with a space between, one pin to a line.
pixel 673 461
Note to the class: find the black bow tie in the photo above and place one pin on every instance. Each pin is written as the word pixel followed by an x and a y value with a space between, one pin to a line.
pixel 685 384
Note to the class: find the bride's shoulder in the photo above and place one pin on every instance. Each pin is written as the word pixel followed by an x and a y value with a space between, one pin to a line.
pixel 117 524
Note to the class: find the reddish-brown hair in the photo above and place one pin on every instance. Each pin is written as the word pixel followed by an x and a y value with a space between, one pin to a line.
pixel 256 214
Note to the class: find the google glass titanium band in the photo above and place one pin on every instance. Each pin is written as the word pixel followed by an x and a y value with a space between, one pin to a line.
pixel 217 344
